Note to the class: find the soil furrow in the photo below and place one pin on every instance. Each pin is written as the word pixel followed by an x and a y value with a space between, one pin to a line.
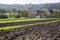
pixel 50 31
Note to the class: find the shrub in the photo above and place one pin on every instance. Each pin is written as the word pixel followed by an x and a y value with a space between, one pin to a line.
pixel 17 16
pixel 3 16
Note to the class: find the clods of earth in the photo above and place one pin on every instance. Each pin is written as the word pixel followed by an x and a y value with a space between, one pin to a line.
pixel 49 31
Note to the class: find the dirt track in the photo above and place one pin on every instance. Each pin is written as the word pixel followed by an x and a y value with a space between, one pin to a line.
pixel 49 31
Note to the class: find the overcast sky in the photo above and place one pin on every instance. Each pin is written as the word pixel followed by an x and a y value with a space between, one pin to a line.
pixel 27 1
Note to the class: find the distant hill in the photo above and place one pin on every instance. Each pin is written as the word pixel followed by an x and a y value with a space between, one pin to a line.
pixel 49 6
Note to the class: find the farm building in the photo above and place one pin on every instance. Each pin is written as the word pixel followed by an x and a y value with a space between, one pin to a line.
pixel 42 13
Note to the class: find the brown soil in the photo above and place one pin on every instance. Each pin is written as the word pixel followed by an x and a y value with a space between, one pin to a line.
pixel 50 31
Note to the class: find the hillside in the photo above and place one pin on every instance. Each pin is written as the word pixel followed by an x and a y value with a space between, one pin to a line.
pixel 49 6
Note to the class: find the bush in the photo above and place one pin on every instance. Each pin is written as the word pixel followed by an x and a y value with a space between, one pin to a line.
pixel 17 16
pixel 3 16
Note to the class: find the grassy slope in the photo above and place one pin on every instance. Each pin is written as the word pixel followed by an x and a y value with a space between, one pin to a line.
pixel 19 26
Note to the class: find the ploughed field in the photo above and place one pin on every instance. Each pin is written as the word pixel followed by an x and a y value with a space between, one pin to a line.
pixel 45 31
pixel 22 23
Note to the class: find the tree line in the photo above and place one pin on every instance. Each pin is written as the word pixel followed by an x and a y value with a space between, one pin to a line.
pixel 24 13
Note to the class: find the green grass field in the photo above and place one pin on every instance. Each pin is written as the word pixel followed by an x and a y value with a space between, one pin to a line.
pixel 22 20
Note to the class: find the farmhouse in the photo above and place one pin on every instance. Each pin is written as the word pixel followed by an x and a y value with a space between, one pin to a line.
pixel 42 13
pixel 39 14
